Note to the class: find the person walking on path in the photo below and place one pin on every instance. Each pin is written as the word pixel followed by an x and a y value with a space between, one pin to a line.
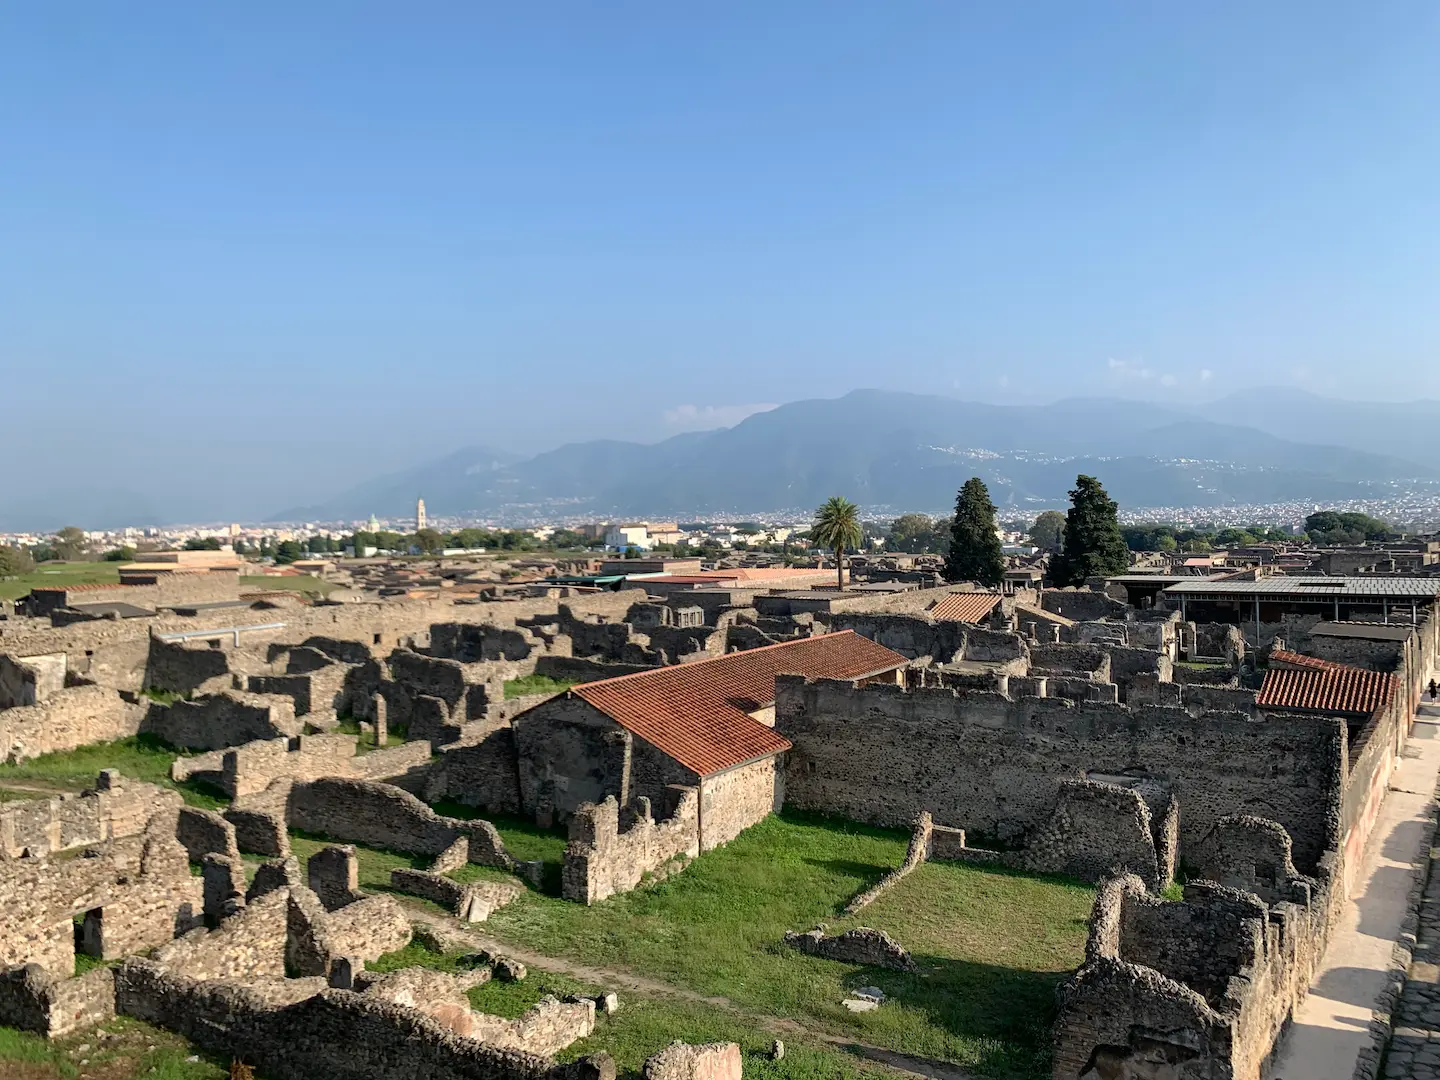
pixel 1432 691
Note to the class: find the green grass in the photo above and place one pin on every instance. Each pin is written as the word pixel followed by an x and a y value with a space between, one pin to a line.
pixel 305 583
pixel 51 575
pixel 350 726
pixel 140 757
pixel 536 684
pixel 644 1026
pixel 133 1050
pixel 374 864
pixel 991 945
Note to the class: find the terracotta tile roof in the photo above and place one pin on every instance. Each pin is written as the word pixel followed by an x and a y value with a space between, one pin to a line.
pixel 88 587
pixel 1334 688
pixel 968 607
pixel 1285 659
pixel 698 713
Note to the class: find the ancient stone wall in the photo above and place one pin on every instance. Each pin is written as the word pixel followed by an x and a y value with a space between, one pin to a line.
pixel 337 1034
pixel 679 1061
pixel 914 637
pixel 203 832
pixel 248 945
pixel 611 852
pixel 117 808
pixel 915 854
pixel 134 893
pixel 33 999
pixel 381 815
pixel 483 773
pixel 569 754
pixel 1095 831
pixel 862 945
pixel 986 763
pixel 71 717
pixel 732 801
pixel 30 680
pixel 1082 605
pixel 224 719
pixel 1083 661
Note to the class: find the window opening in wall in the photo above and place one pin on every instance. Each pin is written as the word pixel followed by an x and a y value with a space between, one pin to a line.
pixel 89 933
pixel 377 639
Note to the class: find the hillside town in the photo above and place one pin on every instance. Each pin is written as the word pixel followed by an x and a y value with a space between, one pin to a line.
pixel 307 815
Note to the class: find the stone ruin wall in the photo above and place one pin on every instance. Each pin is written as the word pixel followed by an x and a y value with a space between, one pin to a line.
pixel 483 774
pixel 224 719
pixel 985 763
pixel 1200 987
pixel 30 680
pixel 116 808
pixel 338 1034
pixel 610 850
pixel 254 766
pixel 69 718
pixel 732 801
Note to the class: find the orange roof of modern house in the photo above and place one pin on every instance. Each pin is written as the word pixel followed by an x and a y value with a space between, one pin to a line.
pixel 1333 688
pixel 968 607
pixel 698 713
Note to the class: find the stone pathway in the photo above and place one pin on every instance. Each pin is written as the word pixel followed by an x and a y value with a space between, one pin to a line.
pixel 1331 1027
pixel 1414 1049
pixel 619 979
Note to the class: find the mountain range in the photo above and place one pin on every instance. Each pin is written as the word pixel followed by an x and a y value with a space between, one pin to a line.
pixel 903 451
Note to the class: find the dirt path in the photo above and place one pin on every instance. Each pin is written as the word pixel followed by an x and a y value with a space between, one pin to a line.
pixel 620 979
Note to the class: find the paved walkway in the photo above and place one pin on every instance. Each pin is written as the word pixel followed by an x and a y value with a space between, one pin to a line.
pixel 1332 1025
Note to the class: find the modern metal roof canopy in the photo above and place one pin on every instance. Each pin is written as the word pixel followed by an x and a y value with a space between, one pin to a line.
pixel 1311 588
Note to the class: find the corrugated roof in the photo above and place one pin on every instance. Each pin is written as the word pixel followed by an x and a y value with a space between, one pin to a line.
pixel 1364 631
pixel 1335 688
pixel 698 713
pixel 1344 588
pixel 966 607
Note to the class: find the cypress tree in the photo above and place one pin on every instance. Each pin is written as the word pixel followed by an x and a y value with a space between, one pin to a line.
pixel 975 553
pixel 1094 546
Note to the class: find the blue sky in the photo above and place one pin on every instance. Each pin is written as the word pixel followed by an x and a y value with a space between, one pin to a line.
pixel 235 239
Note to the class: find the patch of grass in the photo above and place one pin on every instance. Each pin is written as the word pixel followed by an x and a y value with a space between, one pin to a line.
pixel 130 1050
pixel 644 1026
pixel 350 726
pixel 991 945
pixel 305 583
pixel 536 684
pixel 140 757
pixel 374 864
pixel 161 697
pixel 57 574
pixel 524 840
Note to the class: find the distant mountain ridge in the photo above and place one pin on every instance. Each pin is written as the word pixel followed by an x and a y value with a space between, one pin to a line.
pixel 905 451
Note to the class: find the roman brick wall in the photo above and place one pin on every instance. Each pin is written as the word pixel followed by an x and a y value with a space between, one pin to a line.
pixel 248 945
pixel 72 717
pixel 611 850
pixel 1083 661
pixel 1096 830
pixel 1082 605
pixel 983 762
pixel 732 801
pixel 912 636
pixel 188 667
pixel 203 832
pixel 230 718
pixel 319 695
pixel 569 753
pixel 337 1034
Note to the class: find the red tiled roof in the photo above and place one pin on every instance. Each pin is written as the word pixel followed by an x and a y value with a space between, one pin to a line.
pixel 968 607
pixel 698 713
pixel 1286 659
pixel 88 587
pixel 1334 688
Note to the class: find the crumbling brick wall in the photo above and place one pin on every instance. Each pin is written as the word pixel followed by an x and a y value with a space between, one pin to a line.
pixel 30 680
pixel 732 801
pixel 33 999
pixel 115 809
pixel 611 851
pixel 982 762
pixel 483 773
pixel 1096 830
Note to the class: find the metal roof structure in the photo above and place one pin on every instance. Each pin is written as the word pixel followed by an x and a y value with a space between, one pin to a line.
pixel 1311 588
pixel 1363 631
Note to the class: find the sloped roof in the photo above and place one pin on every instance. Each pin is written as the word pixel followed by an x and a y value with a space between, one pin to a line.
pixel 1043 615
pixel 1330 688
pixel 698 713
pixel 967 607
pixel 1286 659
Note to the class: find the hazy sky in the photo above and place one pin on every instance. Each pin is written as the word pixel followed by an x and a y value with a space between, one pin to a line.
pixel 273 247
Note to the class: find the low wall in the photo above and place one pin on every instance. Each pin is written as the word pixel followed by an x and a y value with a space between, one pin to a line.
pixel 71 717
pixel 32 999
pixel 336 1034
pixel 117 808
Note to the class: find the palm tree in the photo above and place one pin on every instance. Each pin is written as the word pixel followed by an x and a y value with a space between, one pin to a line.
pixel 837 526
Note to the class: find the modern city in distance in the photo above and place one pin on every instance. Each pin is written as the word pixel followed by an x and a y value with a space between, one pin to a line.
pixel 788 542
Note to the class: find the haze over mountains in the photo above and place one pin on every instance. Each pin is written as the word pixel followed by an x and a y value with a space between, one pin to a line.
pixel 910 452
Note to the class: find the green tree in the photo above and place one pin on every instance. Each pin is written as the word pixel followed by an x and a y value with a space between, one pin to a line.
pixel 429 541
pixel 975 553
pixel 70 543
pixel 837 527
pixel 120 554
pixel 1094 546
pixel 288 551
pixel 203 543
pixel 917 534
pixel 1048 532
pixel 565 540
pixel 15 561
pixel 390 541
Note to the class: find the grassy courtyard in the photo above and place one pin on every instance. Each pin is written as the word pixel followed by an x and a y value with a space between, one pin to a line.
pixel 140 757
pixel 120 1049
pixel 991 945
